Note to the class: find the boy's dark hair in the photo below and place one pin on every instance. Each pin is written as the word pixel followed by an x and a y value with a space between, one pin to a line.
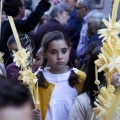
pixel 11 7
pixel 49 37
pixel 13 92
pixel 89 85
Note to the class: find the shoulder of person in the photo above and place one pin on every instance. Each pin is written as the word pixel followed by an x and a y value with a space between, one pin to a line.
pixel 80 73
pixel 83 98
pixel 80 108
pixel 39 69
pixel 11 66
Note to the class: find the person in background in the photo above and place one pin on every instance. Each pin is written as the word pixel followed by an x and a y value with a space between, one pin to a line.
pixel 45 18
pixel 74 24
pixel 82 108
pixel 59 16
pixel 16 9
pixel 94 24
pixel 90 48
pixel 85 9
pixel 13 70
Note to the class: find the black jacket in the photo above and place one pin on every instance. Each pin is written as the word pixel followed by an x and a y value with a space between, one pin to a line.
pixel 23 26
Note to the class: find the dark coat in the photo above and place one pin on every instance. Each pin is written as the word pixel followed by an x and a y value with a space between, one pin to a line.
pixel 13 71
pixel 23 26
pixel 49 26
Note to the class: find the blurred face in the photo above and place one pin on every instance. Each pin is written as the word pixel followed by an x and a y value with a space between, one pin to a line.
pixel 23 112
pixel 81 10
pixel 38 60
pixel 116 79
pixel 12 47
pixel 71 2
pixel 63 17
pixel 57 54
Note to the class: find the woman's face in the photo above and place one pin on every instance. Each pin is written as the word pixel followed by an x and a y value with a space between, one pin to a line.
pixel 63 17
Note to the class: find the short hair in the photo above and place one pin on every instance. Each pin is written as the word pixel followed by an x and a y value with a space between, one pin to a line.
pixel 95 24
pixel 12 92
pixel 60 8
pixel 87 3
pixel 11 7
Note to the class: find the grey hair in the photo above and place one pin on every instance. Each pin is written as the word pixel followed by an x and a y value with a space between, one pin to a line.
pixel 94 24
pixel 60 8
pixel 87 3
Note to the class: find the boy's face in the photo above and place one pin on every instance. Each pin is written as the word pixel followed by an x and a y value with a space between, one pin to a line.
pixel 23 112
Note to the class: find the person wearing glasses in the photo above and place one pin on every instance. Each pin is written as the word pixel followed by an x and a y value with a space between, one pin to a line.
pixel 74 24
pixel 85 9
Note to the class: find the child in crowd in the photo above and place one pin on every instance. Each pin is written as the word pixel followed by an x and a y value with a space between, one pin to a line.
pixel 15 100
pixel 38 59
pixel 82 109
pixel 12 70
pixel 59 84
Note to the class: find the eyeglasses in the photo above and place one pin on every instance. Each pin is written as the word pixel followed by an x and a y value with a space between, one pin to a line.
pixel 78 8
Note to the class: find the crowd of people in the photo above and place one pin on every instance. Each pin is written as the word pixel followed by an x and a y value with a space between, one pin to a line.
pixel 63 47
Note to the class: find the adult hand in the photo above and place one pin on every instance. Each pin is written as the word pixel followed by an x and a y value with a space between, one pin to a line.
pixel 36 114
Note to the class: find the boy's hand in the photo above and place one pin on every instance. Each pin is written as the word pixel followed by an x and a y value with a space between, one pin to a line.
pixel 36 114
